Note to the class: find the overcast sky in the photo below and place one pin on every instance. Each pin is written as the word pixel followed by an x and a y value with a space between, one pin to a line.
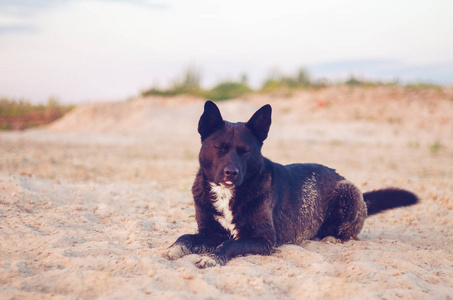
pixel 99 50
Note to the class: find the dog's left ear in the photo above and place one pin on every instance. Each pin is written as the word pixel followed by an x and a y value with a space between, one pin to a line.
pixel 260 122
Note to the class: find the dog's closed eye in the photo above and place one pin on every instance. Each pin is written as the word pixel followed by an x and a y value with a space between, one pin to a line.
pixel 222 148
pixel 242 150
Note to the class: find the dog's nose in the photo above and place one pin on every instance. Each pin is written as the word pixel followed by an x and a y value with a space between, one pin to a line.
pixel 231 172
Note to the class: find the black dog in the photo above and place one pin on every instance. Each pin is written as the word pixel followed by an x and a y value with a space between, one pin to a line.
pixel 246 204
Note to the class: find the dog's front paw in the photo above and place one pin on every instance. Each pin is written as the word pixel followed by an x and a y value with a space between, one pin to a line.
pixel 210 261
pixel 331 240
pixel 206 262
pixel 175 252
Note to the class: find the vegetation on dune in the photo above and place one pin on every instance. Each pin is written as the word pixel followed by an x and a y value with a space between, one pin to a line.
pixel 20 115
pixel 276 81
pixel 189 83
pixel 354 81
pixel 227 90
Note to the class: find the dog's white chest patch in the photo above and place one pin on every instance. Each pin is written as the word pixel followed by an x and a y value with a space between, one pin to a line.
pixel 221 203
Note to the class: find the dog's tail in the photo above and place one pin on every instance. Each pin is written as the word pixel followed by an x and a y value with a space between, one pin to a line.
pixel 379 200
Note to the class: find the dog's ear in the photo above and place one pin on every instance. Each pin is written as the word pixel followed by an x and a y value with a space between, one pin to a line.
pixel 210 121
pixel 260 122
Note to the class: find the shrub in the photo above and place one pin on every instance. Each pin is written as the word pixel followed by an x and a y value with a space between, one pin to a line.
pixel 277 81
pixel 189 83
pixel 21 114
pixel 227 90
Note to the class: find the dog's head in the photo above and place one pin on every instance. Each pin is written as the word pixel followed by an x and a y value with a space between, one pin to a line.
pixel 231 152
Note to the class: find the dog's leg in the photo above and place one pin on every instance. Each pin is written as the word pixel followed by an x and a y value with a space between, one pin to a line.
pixel 233 248
pixel 192 243
pixel 346 213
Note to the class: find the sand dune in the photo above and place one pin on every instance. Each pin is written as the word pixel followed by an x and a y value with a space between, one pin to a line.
pixel 88 203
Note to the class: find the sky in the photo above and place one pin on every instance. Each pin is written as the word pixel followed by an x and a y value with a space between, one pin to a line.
pixel 97 50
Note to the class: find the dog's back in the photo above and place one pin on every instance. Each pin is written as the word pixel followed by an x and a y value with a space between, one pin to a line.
pixel 301 192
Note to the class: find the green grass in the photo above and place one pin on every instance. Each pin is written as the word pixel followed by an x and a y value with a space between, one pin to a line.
pixel 227 90
pixel 354 81
pixel 436 147
pixel 13 108
pixel 275 82
pixel 20 114
pixel 189 83
pixel 414 144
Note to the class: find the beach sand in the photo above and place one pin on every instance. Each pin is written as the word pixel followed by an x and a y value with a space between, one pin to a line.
pixel 88 203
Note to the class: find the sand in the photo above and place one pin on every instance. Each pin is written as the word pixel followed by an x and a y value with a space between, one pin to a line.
pixel 88 203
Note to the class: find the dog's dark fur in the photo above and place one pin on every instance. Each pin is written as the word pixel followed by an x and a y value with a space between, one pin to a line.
pixel 246 204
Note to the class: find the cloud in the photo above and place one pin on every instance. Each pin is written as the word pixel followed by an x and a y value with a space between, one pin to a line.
pixel 21 7
pixel 24 8
pixel 16 16
pixel 22 28
pixel 143 3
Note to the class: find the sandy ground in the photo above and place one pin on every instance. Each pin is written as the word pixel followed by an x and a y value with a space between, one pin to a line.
pixel 88 204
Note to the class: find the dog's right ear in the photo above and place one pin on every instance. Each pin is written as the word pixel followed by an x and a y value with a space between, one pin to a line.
pixel 210 121
pixel 260 122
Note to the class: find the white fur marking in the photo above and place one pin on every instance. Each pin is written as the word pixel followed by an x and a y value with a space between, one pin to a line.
pixel 223 195
pixel 307 209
